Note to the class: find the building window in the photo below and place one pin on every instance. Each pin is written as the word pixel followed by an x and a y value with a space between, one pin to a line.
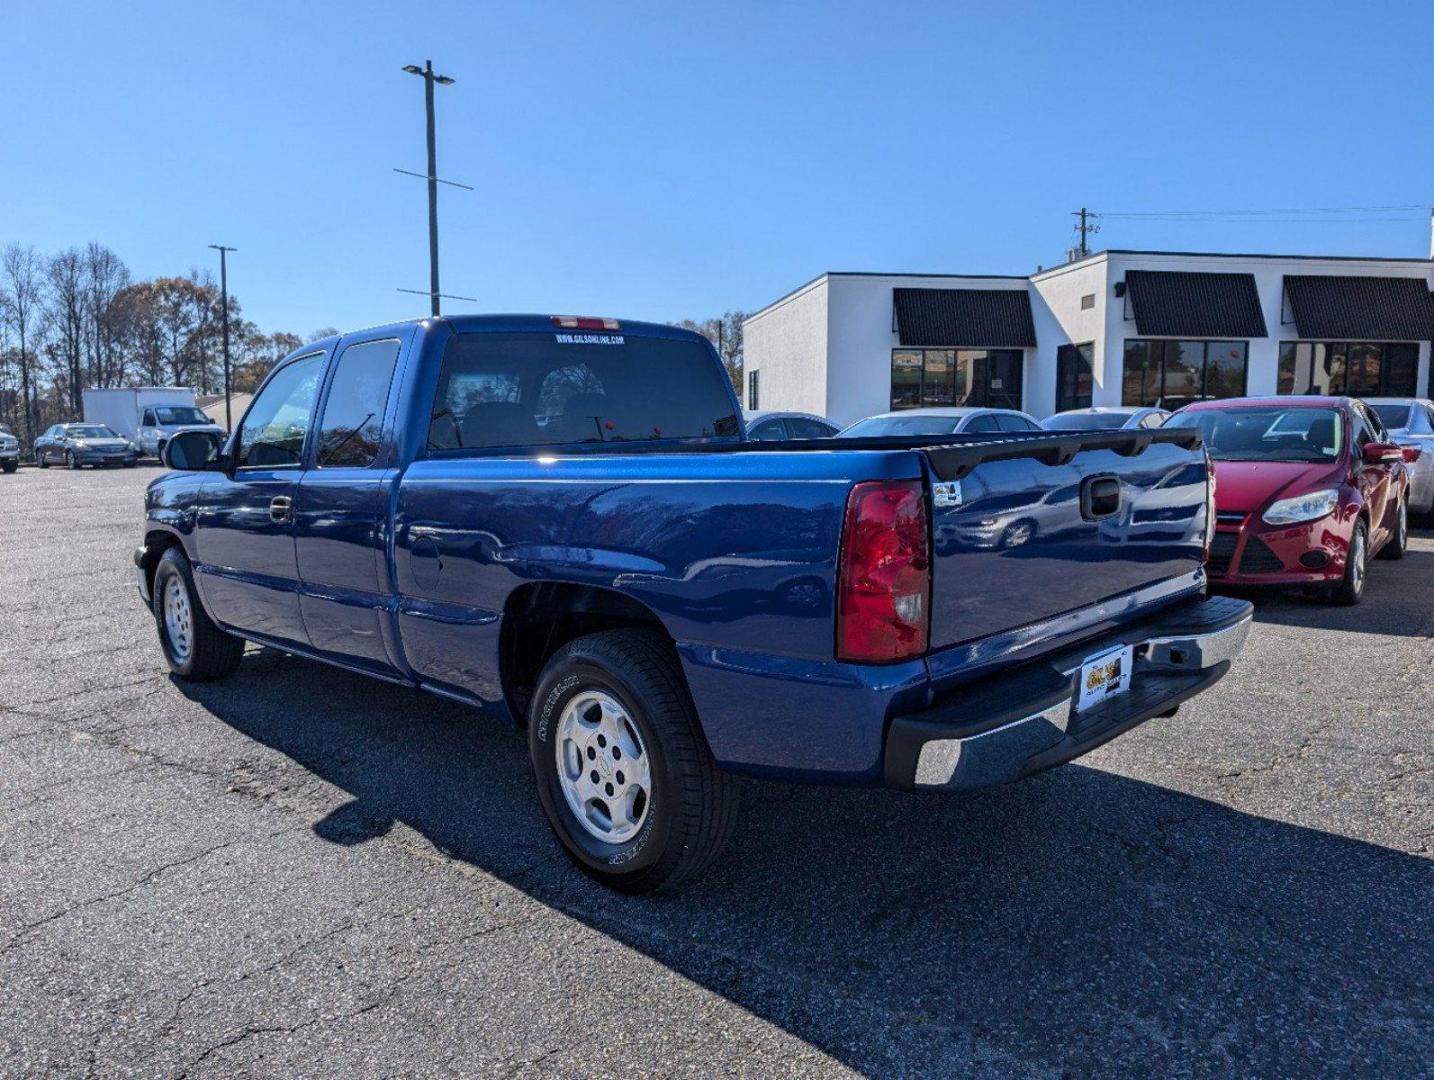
pixel 941 377
pixel 1174 373
pixel 1073 376
pixel 1357 368
pixel 1087 301
pixel 752 389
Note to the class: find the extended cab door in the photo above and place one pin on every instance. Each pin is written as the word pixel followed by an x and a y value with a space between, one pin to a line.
pixel 341 511
pixel 248 573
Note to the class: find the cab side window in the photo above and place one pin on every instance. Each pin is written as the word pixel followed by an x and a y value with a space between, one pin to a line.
pixel 352 425
pixel 768 431
pixel 148 419
pixel 272 434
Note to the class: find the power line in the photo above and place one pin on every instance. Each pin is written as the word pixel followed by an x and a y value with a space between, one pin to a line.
pixel 1252 213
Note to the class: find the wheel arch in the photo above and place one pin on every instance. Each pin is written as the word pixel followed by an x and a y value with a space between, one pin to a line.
pixel 541 617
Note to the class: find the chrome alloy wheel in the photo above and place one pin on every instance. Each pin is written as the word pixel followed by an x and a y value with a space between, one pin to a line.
pixel 178 618
pixel 1356 553
pixel 1403 537
pixel 603 767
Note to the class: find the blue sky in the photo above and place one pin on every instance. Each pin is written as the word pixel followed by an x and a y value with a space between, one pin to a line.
pixel 667 160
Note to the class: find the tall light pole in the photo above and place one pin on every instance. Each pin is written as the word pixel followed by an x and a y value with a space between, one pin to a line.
pixel 224 301
pixel 429 78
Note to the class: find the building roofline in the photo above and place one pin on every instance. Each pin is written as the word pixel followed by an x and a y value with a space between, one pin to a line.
pixel 1095 255
pixel 876 274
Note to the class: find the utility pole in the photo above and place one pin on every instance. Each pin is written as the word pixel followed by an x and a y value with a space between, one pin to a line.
pixel 224 317
pixel 1086 228
pixel 429 78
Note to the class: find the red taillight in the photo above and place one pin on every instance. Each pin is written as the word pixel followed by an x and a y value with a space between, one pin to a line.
pixel 585 322
pixel 884 580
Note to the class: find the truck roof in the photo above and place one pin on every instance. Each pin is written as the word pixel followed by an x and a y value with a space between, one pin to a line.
pixel 477 324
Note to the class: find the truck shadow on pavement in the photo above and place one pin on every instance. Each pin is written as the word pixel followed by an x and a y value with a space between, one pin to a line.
pixel 1079 922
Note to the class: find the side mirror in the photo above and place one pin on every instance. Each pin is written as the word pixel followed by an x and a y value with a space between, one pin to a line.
pixel 190 451
pixel 1411 454
pixel 1380 453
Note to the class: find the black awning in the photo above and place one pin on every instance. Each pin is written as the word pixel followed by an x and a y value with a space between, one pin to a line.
pixel 965 318
pixel 1361 308
pixel 1171 303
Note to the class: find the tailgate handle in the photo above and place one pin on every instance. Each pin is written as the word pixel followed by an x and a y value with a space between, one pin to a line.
pixel 1099 497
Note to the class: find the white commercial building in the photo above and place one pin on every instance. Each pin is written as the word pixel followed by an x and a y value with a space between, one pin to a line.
pixel 1116 327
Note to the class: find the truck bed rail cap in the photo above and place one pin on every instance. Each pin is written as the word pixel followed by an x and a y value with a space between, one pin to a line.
pixel 953 461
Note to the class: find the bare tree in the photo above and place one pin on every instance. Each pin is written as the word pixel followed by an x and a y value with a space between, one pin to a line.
pixel 22 285
pixel 106 276
pixel 66 307
pixel 725 333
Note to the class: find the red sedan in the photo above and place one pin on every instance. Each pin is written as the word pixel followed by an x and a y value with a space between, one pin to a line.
pixel 1306 490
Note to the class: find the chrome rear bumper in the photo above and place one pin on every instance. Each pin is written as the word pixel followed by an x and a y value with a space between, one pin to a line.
pixel 1014 724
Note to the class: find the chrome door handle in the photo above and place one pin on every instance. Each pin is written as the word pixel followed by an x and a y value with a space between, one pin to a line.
pixel 281 509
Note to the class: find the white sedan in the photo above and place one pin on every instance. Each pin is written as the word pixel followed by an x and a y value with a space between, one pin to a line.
pixel 963 420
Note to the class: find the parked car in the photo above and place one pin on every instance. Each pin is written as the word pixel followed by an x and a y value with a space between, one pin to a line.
pixel 9 450
pixel 76 445
pixel 1306 490
pixel 1105 418
pixel 563 522
pixel 768 425
pixel 962 420
pixel 1410 423
pixel 149 416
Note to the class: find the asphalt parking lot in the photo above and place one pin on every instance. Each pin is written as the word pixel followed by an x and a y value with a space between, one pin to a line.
pixel 303 872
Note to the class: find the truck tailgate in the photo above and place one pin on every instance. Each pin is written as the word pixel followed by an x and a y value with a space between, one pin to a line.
pixel 1028 528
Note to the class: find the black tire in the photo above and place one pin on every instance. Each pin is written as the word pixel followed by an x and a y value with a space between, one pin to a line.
pixel 1398 544
pixel 1350 590
pixel 213 653
pixel 159 450
pixel 693 804
pixel 11 466
pixel 41 460
pixel 70 462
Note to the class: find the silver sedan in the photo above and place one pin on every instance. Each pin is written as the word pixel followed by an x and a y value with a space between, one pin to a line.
pixel 1106 418
pixel 1411 423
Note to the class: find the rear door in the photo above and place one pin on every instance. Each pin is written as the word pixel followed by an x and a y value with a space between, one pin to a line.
pixel 341 509
pixel 248 572
pixel 1021 541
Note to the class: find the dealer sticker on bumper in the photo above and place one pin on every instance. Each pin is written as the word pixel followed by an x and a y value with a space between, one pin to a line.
pixel 1104 675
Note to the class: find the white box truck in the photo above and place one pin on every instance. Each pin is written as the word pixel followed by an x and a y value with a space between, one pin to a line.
pixel 148 415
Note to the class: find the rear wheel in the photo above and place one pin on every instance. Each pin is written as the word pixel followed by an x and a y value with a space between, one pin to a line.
pixel 195 647
pixel 11 466
pixel 1350 590
pixel 1396 545
pixel 624 774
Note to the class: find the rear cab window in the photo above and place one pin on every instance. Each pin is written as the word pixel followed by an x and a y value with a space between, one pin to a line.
pixel 539 389
pixel 352 425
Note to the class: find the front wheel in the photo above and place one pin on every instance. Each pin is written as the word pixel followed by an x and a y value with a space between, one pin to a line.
pixel 70 462
pixel 1350 590
pixel 624 774
pixel 1397 544
pixel 197 650
pixel 41 460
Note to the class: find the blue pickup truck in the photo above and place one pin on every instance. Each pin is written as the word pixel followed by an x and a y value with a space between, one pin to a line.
pixel 560 521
